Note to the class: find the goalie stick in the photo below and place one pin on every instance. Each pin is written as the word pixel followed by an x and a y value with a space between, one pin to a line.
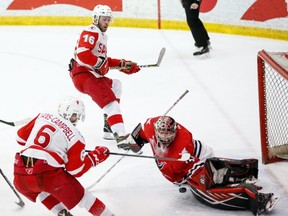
pixel 184 156
pixel 186 91
pixel 16 123
pixel 135 132
pixel 21 202
pixel 158 62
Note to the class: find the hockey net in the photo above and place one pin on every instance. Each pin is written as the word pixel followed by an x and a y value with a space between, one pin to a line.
pixel 273 105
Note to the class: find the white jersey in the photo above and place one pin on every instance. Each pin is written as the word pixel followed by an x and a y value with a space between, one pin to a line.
pixel 92 44
pixel 52 138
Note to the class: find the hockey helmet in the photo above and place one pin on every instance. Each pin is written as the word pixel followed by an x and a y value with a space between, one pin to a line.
pixel 165 130
pixel 70 106
pixel 101 10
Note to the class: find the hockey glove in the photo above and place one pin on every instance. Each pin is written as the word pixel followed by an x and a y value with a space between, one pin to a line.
pixel 128 67
pixel 98 155
pixel 71 64
pixel 102 66
pixel 128 143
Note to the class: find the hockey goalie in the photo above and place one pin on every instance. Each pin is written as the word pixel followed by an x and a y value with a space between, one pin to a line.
pixel 222 183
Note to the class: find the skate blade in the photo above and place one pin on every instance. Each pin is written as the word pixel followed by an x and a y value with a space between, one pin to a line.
pixel 108 136
pixel 203 56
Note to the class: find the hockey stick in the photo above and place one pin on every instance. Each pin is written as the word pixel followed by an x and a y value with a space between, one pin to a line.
pixel 136 130
pixel 157 64
pixel 160 57
pixel 91 186
pixel 184 156
pixel 21 202
pixel 16 123
pixel 176 102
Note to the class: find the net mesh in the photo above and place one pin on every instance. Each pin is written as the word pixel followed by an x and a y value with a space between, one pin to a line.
pixel 276 93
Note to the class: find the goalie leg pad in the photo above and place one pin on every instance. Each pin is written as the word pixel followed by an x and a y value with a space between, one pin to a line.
pixel 238 197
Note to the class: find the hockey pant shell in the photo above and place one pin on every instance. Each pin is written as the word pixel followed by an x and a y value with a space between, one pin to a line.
pixel 99 89
pixel 31 181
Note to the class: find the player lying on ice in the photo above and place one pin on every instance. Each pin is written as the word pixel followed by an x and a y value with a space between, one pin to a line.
pixel 221 183
pixel 54 156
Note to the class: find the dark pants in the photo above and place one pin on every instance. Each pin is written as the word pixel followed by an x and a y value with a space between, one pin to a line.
pixel 196 26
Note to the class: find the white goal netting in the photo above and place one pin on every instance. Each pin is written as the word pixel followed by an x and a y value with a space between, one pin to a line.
pixel 273 99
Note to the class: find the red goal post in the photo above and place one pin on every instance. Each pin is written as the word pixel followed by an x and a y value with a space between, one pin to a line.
pixel 273 105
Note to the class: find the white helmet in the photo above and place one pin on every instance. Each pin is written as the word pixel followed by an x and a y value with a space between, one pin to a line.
pixel 165 130
pixel 70 106
pixel 101 10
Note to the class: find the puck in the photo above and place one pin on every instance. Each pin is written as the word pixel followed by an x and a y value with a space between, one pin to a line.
pixel 182 190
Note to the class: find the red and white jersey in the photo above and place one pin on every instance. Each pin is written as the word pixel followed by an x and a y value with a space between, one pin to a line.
pixel 174 171
pixel 91 45
pixel 52 138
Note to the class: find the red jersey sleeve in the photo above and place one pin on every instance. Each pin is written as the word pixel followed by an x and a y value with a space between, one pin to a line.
pixel 87 42
pixel 24 132
pixel 77 163
pixel 114 62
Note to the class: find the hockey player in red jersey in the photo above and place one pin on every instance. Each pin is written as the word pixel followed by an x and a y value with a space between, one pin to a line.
pixel 90 66
pixel 53 157
pixel 217 182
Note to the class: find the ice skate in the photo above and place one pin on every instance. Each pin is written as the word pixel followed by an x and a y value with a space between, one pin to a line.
pixel 266 202
pixel 204 50
pixel 250 180
pixel 107 132
pixel 64 212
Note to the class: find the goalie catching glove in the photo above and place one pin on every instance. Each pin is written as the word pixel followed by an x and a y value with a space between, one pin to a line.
pixel 132 141
pixel 128 143
pixel 128 67
pixel 98 155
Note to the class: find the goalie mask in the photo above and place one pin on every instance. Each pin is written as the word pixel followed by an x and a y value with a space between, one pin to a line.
pixel 72 109
pixel 165 130
pixel 101 10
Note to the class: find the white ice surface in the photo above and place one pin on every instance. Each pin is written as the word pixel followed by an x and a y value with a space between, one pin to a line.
pixel 221 109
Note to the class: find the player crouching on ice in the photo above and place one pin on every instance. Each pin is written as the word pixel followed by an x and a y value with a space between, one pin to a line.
pixel 54 156
pixel 222 183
